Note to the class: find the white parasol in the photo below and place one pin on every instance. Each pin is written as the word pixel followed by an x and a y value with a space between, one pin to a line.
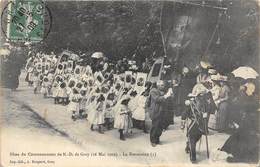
pixel 245 72
pixel 97 55
pixel 4 52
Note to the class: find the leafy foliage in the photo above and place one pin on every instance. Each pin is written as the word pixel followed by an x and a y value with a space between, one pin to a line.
pixel 124 28
pixel 119 29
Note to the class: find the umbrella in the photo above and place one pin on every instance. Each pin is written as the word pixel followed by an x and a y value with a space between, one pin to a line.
pixel 245 72
pixel 4 52
pixel 97 55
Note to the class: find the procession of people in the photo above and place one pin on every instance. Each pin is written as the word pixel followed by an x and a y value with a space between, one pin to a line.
pixel 119 95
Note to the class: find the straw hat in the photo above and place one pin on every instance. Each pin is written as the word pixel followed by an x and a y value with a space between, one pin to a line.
pixel 214 77
pixel 205 65
pixel 212 71
pixel 218 77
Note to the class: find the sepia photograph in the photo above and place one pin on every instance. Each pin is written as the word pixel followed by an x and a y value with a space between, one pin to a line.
pixel 129 83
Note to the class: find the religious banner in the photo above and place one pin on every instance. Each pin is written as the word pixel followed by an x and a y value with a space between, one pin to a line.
pixel 128 78
pixel 140 82
pixel 70 66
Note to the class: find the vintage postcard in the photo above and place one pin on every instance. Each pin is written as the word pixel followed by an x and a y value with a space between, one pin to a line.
pixel 129 83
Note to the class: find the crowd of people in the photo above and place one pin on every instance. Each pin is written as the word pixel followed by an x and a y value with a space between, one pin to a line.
pixel 106 98
pixel 120 96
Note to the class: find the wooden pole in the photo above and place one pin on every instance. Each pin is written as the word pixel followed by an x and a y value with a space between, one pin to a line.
pixel 162 36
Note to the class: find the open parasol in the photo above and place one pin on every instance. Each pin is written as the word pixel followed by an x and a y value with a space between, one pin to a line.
pixel 97 55
pixel 245 72
pixel 4 52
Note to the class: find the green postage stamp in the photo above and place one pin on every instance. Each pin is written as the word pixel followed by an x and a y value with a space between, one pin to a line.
pixel 26 21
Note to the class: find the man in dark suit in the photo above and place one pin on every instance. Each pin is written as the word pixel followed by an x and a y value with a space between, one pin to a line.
pixel 157 101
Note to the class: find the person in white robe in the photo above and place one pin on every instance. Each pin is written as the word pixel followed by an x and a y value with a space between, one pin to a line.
pixel 109 112
pixel 37 79
pixel 73 106
pixel 54 88
pixel 137 106
pixel 46 86
pixel 96 113
pixel 29 69
pixel 123 117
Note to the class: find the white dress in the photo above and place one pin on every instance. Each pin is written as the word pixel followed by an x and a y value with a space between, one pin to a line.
pixel 54 89
pixel 36 80
pixel 61 92
pixel 74 104
pixel 82 103
pixel 109 112
pixel 96 114
pixel 122 119
pixel 137 107
pixel 45 87
pixel 30 74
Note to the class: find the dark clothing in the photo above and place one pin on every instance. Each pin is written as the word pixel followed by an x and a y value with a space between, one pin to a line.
pixel 201 104
pixel 157 102
pixel 156 109
pixel 121 68
pixel 168 114
pixel 11 74
pixel 11 68
pixel 156 131
pixel 198 126
pixel 185 87
pixel 139 124
pixel 243 144
pixel 193 137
